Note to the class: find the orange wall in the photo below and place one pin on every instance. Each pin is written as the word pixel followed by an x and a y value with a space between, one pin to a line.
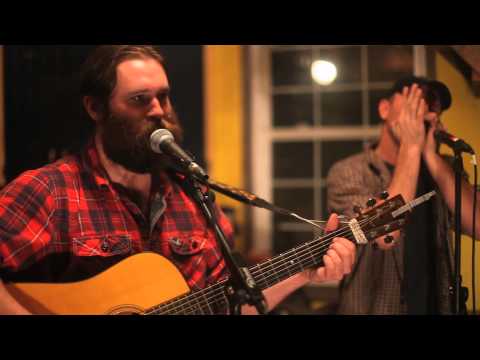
pixel 224 122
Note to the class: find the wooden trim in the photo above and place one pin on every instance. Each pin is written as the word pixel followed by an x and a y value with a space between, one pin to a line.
pixel 455 60
pixel 460 63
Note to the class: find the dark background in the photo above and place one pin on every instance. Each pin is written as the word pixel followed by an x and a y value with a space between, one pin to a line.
pixel 43 115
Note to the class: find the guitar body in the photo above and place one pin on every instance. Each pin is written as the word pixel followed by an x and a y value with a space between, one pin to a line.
pixel 131 286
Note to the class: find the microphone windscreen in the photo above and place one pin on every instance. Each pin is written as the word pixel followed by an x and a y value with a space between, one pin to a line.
pixel 158 137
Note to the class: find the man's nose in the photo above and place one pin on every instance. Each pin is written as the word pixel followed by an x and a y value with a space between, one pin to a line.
pixel 156 109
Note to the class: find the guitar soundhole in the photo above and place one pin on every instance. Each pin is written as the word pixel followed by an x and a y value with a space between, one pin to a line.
pixel 126 310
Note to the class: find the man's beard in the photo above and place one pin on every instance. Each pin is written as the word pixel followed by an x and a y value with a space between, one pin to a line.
pixel 126 141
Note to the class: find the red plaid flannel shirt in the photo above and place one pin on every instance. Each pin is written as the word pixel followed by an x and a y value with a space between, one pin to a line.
pixel 70 208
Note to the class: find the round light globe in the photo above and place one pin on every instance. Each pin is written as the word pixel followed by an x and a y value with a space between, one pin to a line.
pixel 324 72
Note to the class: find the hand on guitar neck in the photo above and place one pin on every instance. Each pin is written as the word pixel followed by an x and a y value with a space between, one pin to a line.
pixel 338 260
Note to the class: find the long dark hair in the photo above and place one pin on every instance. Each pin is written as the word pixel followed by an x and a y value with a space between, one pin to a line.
pixel 98 78
pixel 99 72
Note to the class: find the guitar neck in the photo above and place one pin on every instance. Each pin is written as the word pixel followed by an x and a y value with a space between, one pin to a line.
pixel 296 260
pixel 213 299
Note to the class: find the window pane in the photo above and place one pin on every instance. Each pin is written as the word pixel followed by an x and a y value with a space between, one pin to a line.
pixel 342 108
pixel 293 110
pixel 291 68
pixel 333 151
pixel 347 61
pixel 298 200
pixel 389 62
pixel 323 203
pixel 293 160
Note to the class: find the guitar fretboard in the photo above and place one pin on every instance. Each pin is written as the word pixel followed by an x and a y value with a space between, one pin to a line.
pixel 213 300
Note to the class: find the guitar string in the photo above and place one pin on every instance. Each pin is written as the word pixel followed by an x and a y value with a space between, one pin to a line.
pixel 213 294
pixel 209 291
pixel 321 246
pixel 218 294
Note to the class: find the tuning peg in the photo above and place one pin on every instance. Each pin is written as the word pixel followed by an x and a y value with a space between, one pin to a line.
pixel 357 210
pixel 388 239
pixel 384 195
pixel 371 202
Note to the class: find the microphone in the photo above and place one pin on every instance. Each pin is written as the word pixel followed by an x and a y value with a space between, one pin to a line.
pixel 246 197
pixel 453 142
pixel 163 142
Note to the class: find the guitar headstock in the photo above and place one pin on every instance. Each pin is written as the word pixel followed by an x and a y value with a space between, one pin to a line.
pixel 385 218
pixel 381 219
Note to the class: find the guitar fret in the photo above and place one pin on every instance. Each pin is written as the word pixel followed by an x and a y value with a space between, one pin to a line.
pixel 290 263
pixel 193 303
pixel 274 272
pixel 311 255
pixel 226 302
pixel 182 308
pixel 208 304
pixel 166 307
pixel 286 265
pixel 267 283
pixel 298 263
pixel 284 270
pixel 218 302
pixel 199 306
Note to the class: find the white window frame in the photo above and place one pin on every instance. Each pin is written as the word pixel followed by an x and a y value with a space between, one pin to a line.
pixel 263 135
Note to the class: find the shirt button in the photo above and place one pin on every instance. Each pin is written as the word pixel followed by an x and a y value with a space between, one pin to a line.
pixel 104 246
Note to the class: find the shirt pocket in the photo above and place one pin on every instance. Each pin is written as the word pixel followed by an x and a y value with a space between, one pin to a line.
pixel 187 245
pixel 189 255
pixel 102 245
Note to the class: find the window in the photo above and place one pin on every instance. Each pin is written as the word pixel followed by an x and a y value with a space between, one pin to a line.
pixel 300 128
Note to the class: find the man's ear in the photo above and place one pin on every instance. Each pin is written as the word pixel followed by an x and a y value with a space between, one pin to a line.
pixel 384 109
pixel 93 108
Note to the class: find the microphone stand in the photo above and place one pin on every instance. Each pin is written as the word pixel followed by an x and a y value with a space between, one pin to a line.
pixel 242 288
pixel 459 293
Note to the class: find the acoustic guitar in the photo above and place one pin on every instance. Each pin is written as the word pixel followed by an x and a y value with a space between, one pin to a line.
pixel 149 284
